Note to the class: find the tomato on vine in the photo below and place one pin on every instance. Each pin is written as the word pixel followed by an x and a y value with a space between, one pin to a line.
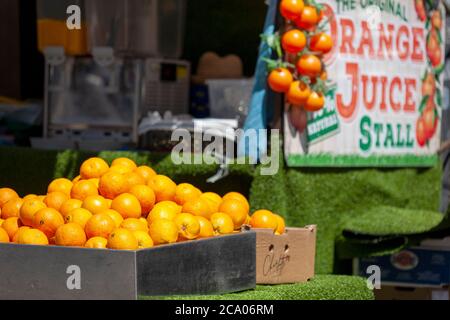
pixel 291 9
pixel 298 93
pixel 280 80
pixel 309 65
pixel 321 42
pixel 321 15
pixel 430 122
pixel 421 136
pixel 315 102
pixel 293 41
pixel 308 19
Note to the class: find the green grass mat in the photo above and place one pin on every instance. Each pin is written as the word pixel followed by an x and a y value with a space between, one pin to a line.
pixel 384 220
pixel 346 249
pixel 320 288
pixel 347 199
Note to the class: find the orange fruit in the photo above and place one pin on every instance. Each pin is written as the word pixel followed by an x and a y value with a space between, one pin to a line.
pixel 69 206
pixel 134 179
pixel 122 239
pixel 237 196
pixel 95 204
pixel 164 210
pixel 206 228
pixel 93 168
pixel 198 207
pixel 163 231
pixel 264 219
pixel 33 237
pixel 29 197
pixel 76 179
pixel 120 169
pixel 163 187
pixel 70 235
pixel 11 226
pixel 237 210
pixel 281 224
pixel 134 225
pixel 117 217
pixel 247 220
pixel 100 225
pixel 188 226
pixel 125 162
pixel 143 238
pixel 15 239
pixel 56 199
pixel 222 223
pixel 214 200
pixel 112 184
pixel 28 210
pixel 1 220
pixel 12 208
pixel 145 172
pixel 185 192
pixel 48 220
pixel 83 189
pixel 61 185
pixel 127 205
pixel 146 197
pixel 79 216
pixel 7 194
pixel 95 181
pixel 4 237
pixel 96 243
pixel 109 202
pixel 41 198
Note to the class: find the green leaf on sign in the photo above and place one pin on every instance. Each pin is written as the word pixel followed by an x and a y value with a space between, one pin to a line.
pixel 438 70
pixel 439 98
pixel 436 114
pixel 423 103
pixel 439 35
pixel 424 76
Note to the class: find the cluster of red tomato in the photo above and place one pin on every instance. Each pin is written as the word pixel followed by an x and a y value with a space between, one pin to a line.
pixel 429 117
pixel 300 74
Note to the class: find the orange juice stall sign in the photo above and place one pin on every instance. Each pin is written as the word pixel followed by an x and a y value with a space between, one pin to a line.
pixel 387 66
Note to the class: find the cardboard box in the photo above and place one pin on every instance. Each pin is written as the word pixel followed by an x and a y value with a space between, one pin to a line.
pixel 287 258
pixel 391 292
pixel 427 265
pixel 211 266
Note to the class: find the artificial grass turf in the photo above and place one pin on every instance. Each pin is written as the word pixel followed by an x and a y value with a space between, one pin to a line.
pixel 323 287
pixel 337 200
pixel 401 221
pixel 331 198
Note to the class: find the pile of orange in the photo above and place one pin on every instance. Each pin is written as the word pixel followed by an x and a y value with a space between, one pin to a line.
pixel 123 207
